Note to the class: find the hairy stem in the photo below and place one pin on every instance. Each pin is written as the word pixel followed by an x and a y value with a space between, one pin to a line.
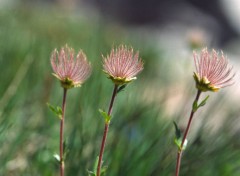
pixel 106 130
pixel 61 133
pixel 179 155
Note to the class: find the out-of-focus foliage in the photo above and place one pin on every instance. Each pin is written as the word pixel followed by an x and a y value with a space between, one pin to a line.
pixel 141 136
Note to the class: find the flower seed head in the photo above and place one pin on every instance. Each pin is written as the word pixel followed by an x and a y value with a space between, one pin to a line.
pixel 212 71
pixel 70 71
pixel 122 65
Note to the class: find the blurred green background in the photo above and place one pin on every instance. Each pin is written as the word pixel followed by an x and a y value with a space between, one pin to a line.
pixel 140 140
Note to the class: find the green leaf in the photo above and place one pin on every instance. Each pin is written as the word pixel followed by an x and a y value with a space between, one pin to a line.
pixel 121 88
pixel 51 108
pixel 103 170
pixel 57 111
pixel 178 142
pixel 203 102
pixel 66 149
pixel 96 165
pixel 177 130
pixel 91 173
pixel 94 172
pixel 105 115
pixel 195 106
pixel 178 138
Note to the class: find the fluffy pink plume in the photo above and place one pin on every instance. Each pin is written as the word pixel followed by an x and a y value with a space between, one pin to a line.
pixel 122 65
pixel 68 69
pixel 213 68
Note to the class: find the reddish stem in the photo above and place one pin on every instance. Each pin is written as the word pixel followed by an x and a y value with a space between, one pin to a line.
pixel 61 133
pixel 179 156
pixel 106 130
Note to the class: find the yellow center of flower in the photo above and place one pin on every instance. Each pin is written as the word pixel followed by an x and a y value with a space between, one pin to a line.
pixel 67 83
pixel 204 84
pixel 120 80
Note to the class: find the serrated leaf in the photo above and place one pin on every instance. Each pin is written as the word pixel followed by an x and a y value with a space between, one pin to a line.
pixel 51 108
pixel 57 111
pixel 105 115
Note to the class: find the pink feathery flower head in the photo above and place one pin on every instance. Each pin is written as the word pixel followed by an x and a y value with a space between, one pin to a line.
pixel 70 71
pixel 122 65
pixel 212 71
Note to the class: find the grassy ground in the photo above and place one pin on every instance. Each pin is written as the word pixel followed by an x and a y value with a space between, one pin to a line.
pixel 140 140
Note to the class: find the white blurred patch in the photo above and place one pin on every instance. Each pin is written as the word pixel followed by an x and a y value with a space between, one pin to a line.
pixel 7 3
pixel 232 10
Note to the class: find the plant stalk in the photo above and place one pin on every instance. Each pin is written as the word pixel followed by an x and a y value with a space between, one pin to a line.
pixel 104 138
pixel 179 155
pixel 62 133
